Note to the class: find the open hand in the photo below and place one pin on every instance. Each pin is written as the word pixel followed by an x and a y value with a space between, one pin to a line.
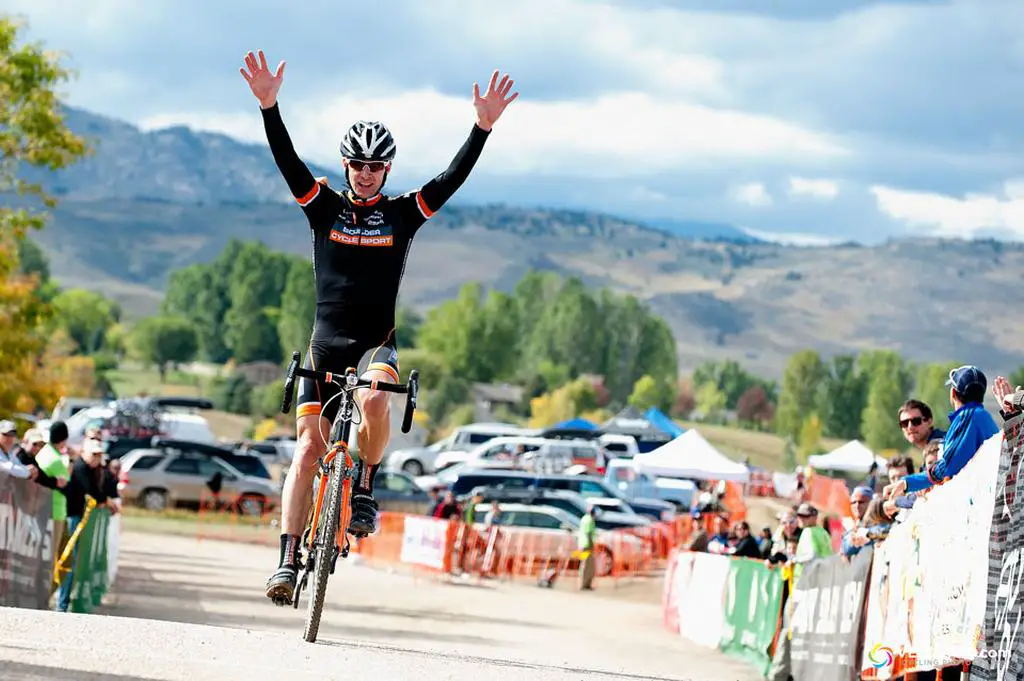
pixel 491 105
pixel 262 82
pixel 1004 393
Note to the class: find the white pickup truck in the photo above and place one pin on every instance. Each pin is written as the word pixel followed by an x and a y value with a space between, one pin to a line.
pixel 627 477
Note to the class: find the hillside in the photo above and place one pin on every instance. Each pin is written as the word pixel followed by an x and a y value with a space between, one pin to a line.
pixel 147 203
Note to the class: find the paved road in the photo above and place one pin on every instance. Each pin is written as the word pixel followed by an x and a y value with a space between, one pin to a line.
pixel 183 609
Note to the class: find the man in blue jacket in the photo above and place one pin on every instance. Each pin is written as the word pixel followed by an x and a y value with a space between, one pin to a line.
pixel 970 425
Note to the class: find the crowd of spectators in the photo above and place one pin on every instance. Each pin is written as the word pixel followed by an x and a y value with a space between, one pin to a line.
pixel 45 458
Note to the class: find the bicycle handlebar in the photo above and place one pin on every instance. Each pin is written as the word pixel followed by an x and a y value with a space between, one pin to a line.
pixel 410 388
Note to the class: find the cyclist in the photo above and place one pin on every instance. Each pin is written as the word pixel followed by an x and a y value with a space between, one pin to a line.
pixel 361 239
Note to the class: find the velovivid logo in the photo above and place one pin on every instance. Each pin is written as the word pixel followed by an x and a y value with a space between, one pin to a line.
pixel 880 656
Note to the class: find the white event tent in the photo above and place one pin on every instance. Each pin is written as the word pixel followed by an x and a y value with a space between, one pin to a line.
pixel 853 457
pixel 691 456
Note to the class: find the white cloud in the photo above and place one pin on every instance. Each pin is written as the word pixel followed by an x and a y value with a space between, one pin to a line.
pixel 818 189
pixel 792 238
pixel 752 193
pixel 584 138
pixel 949 216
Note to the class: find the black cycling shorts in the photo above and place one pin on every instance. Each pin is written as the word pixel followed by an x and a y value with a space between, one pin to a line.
pixel 336 354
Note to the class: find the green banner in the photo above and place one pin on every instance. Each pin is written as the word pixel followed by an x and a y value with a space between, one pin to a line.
pixel 753 597
pixel 89 581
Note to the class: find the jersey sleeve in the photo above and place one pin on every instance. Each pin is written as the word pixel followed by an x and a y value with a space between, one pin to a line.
pixel 308 192
pixel 419 206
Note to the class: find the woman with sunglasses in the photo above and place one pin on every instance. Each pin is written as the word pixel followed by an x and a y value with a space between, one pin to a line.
pixel 361 238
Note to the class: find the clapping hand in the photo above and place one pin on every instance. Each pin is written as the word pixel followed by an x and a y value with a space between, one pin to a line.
pixel 1004 394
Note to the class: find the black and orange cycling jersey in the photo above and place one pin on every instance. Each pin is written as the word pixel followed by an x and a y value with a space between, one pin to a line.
pixel 359 253
pixel 360 247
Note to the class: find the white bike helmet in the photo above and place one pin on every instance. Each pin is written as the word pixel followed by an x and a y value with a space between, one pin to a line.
pixel 368 141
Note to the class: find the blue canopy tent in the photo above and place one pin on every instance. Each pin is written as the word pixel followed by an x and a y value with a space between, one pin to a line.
pixel 571 429
pixel 659 420
pixel 648 435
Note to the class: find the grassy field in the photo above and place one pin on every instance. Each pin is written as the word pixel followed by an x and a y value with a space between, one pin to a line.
pixel 764 449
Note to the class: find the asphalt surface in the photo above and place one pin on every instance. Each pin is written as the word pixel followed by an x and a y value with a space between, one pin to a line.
pixel 191 610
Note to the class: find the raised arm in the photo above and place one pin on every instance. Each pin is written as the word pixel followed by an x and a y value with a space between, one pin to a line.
pixel 489 107
pixel 265 86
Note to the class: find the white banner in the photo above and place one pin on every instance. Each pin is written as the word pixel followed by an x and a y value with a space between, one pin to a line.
pixel 702 599
pixel 424 541
pixel 927 591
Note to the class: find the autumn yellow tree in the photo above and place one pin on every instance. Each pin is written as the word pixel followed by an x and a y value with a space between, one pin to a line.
pixel 32 132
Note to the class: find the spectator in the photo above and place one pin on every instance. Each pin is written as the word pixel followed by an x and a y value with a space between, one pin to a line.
pixel 931 453
pixel 916 422
pixel 699 539
pixel 449 508
pixel 899 467
pixel 719 542
pixel 852 540
pixel 51 461
pixel 746 545
pixel 764 541
pixel 815 541
pixel 9 462
pixel 33 443
pixel 586 544
pixel 970 425
pixel 86 480
pixel 788 530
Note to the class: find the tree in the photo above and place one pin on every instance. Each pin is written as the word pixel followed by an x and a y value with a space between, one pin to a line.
pixel 685 402
pixel 646 393
pixel 407 326
pixel 454 330
pixel 161 340
pixel 86 315
pixel 569 401
pixel 888 384
pixel 32 134
pixel 710 401
pixel 248 329
pixel 798 398
pixel 199 293
pixel 732 379
pixel 754 407
pixel 298 308
pixel 843 397
pixel 810 437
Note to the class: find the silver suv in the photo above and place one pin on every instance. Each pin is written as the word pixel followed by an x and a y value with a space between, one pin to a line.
pixel 163 478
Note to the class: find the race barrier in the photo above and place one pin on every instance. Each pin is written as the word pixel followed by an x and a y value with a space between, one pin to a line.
pixel 31 566
pixel 941 592
pixel 26 543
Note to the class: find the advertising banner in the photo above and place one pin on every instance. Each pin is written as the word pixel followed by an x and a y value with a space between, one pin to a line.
pixel 753 603
pixel 826 618
pixel 26 543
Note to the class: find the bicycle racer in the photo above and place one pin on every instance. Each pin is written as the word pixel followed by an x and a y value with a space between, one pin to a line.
pixel 360 243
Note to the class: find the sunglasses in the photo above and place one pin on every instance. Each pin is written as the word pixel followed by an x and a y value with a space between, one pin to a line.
pixel 374 166
pixel 917 420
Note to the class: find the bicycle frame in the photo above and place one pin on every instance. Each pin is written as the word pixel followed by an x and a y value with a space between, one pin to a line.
pixel 321 565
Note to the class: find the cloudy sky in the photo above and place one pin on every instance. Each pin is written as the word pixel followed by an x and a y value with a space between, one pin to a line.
pixel 811 121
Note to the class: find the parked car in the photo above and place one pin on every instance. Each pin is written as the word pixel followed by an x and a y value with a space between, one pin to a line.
pixel 166 477
pixel 631 480
pixel 585 485
pixel 420 460
pixel 570 502
pixel 521 520
pixel 398 492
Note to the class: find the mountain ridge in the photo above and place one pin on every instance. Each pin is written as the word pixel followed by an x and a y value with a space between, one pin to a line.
pixel 147 203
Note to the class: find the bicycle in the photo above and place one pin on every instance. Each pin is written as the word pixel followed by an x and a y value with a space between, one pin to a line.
pixel 326 535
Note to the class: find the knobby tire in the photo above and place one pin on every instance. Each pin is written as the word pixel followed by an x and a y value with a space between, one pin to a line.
pixel 328 532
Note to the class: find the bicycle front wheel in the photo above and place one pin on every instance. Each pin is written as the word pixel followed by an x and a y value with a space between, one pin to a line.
pixel 327 533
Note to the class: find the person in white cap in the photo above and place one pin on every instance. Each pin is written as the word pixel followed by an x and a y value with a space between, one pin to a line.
pixel 9 463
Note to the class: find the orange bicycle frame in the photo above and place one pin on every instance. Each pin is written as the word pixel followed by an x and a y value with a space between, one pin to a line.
pixel 346 492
